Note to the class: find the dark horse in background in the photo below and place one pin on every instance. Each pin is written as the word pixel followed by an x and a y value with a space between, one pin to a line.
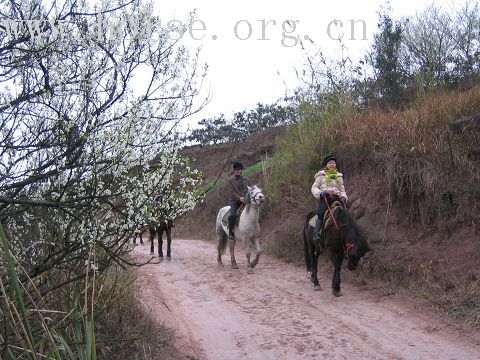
pixel 340 238
pixel 162 225
pixel 158 229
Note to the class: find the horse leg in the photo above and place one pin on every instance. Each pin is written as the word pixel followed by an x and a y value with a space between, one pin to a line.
pixel 232 253
pixel 141 238
pixel 221 243
pixel 258 252
pixel 316 284
pixel 248 253
pixel 307 250
pixel 306 253
pixel 160 241
pixel 337 263
pixel 311 261
pixel 219 254
pixel 152 237
pixel 168 230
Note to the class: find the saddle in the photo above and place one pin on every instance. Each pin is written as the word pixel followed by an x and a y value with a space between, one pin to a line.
pixel 227 214
pixel 327 219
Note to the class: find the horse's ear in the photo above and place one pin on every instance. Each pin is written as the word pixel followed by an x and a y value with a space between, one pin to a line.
pixel 248 187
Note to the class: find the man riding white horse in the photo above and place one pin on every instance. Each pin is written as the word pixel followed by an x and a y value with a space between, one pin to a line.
pixel 247 230
pixel 238 189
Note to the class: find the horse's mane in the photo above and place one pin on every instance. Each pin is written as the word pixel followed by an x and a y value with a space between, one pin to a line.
pixel 247 201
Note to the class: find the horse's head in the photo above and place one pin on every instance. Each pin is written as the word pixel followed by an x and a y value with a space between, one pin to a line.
pixel 356 246
pixel 355 253
pixel 255 195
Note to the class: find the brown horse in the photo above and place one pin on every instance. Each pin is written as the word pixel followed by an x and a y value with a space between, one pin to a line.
pixel 340 238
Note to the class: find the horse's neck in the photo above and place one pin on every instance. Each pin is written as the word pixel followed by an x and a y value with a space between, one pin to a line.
pixel 252 212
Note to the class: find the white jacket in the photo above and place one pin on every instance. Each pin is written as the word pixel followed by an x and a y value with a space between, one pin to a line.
pixel 332 188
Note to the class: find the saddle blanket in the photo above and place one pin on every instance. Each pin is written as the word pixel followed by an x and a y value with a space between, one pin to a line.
pixel 327 219
pixel 227 214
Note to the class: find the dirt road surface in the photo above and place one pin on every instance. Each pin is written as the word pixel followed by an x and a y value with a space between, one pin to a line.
pixel 222 313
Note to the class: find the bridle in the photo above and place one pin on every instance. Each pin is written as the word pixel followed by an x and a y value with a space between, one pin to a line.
pixel 347 247
pixel 256 193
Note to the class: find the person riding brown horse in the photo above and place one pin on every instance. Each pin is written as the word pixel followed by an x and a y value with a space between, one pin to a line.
pixel 328 187
pixel 341 236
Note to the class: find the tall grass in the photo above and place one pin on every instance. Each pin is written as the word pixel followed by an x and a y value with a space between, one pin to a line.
pixel 66 324
pixel 31 331
pixel 301 149
pixel 258 168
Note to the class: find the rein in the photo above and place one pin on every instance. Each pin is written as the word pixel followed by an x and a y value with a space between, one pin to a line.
pixel 331 214
pixel 348 246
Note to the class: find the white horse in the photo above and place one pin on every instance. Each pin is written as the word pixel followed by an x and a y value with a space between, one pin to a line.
pixel 248 229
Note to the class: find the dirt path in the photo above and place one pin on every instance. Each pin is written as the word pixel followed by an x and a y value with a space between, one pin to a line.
pixel 221 313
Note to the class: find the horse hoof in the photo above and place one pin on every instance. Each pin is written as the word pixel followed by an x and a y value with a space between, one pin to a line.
pixel 249 271
pixel 316 287
pixel 169 258
pixel 160 258
pixel 234 266
pixel 220 264
pixel 337 293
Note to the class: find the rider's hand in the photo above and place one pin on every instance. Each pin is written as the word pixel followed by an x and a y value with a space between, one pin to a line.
pixel 323 195
pixel 344 201
pixel 242 199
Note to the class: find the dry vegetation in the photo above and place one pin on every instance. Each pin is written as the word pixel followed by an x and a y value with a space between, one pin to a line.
pixel 128 331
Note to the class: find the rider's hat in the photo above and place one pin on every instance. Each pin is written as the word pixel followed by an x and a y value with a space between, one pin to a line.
pixel 327 159
pixel 237 165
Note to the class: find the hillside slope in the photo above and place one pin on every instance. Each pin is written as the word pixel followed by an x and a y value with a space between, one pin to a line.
pixel 212 159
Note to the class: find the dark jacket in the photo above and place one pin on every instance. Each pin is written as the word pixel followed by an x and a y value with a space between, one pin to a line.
pixel 238 188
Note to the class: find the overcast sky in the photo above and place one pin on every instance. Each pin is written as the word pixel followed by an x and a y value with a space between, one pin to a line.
pixel 251 51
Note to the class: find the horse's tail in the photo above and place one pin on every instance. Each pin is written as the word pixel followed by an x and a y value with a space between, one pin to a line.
pixel 221 237
pixel 307 242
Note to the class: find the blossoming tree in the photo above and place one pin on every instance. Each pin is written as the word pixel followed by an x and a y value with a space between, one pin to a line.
pixel 90 98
